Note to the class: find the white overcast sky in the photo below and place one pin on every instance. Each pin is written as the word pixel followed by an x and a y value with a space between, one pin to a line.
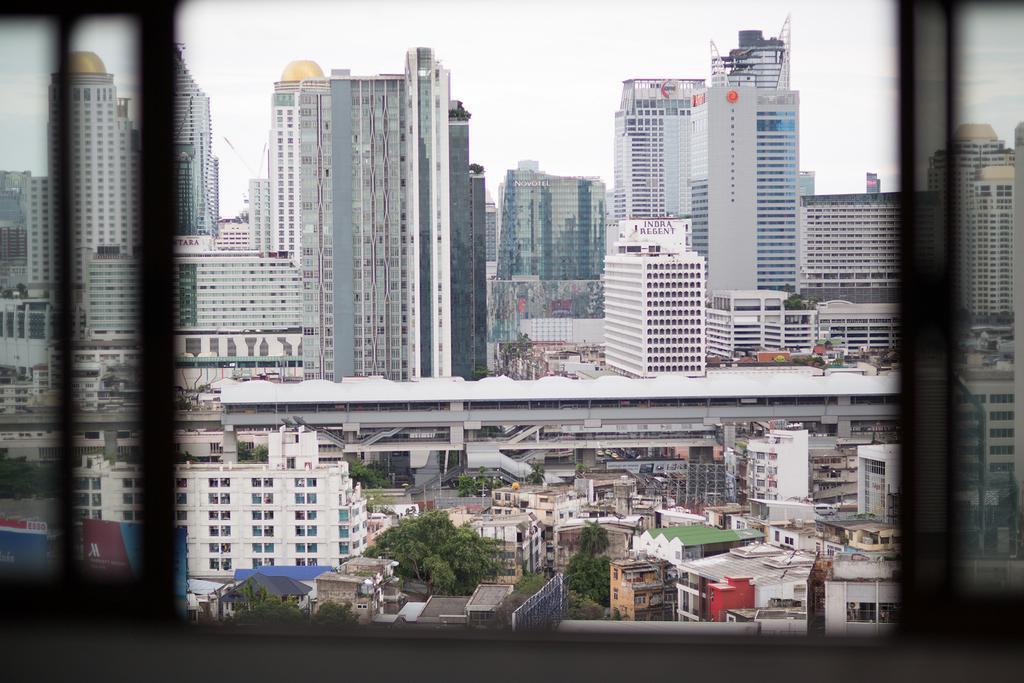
pixel 542 79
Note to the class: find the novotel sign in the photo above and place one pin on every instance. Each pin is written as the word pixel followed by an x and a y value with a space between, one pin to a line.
pixel 531 183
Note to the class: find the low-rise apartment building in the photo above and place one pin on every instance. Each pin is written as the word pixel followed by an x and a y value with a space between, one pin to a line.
pixel 643 590
pixel 777 465
pixel 621 532
pixel 851 536
pixel 708 587
pixel 862 595
pixel 683 543
pixel 521 539
pixel 365 583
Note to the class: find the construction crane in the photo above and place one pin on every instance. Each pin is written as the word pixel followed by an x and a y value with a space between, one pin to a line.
pixel 247 166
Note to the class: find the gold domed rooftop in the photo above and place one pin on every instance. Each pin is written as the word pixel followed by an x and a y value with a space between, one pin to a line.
pixel 86 63
pixel 975 131
pixel 300 70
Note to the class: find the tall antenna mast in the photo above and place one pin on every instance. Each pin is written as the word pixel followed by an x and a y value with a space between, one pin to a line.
pixel 718 77
pixel 784 37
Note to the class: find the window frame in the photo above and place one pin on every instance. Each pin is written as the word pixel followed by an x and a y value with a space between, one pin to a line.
pixel 927 33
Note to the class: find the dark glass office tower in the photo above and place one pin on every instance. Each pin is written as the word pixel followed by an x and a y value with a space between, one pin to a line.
pixel 468 249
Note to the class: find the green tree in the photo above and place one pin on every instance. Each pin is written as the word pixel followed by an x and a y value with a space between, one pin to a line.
pixel 258 453
pixel 335 614
pixel 588 576
pixel 582 607
pixel 22 479
pixel 536 476
pixel 593 539
pixel 468 486
pixel 480 372
pixel 450 560
pixel 794 302
pixel 370 476
pixel 244 449
pixel 530 582
pixel 375 499
pixel 272 610
pixel 258 607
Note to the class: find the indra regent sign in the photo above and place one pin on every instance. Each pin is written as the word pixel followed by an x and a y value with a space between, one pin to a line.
pixel 656 228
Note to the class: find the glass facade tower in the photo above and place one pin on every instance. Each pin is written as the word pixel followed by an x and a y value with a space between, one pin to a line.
pixel 552 227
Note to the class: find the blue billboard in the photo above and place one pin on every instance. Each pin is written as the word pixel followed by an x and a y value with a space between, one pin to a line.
pixel 24 549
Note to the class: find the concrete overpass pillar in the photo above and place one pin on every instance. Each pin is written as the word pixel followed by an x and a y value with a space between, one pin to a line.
pixel 229 445
pixel 729 435
pixel 586 457
pixel 110 444
pixel 843 429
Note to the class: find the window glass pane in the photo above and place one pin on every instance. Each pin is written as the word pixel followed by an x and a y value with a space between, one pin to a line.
pixel 692 298
pixel 31 444
pixel 986 210
pixel 106 237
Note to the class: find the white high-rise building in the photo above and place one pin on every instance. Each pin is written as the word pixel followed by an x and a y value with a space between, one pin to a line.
pixel 296 153
pixel 850 247
pixel 745 321
pixel 990 250
pixel 296 509
pixel 777 465
pixel 233 235
pixel 744 167
pixel 260 223
pixel 878 481
pixel 1018 301
pixel 652 148
pixel 105 194
pixel 427 86
pixel 234 290
pixel 975 147
pixel 859 326
pixel 299 200
pixel 654 301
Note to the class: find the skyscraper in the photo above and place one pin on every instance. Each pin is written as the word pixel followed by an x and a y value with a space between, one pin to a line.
pixel 193 136
pixel 260 224
pixel 806 181
pixel 390 253
pixel 468 249
pixel 654 301
pixel 299 201
pixel 295 160
pixel 758 62
pixel 990 280
pixel 652 148
pixel 372 247
pixel 552 226
pixel 744 177
pixel 975 147
pixel 95 109
pixel 872 185
pixel 491 210
pixel 427 91
pixel 850 247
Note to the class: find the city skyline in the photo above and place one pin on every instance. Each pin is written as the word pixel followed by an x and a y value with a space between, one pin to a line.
pixel 582 84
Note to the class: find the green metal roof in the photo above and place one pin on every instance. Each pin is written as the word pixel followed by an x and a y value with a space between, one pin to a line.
pixel 704 535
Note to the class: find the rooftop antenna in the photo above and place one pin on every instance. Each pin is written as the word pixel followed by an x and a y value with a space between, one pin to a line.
pixel 784 37
pixel 718 77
